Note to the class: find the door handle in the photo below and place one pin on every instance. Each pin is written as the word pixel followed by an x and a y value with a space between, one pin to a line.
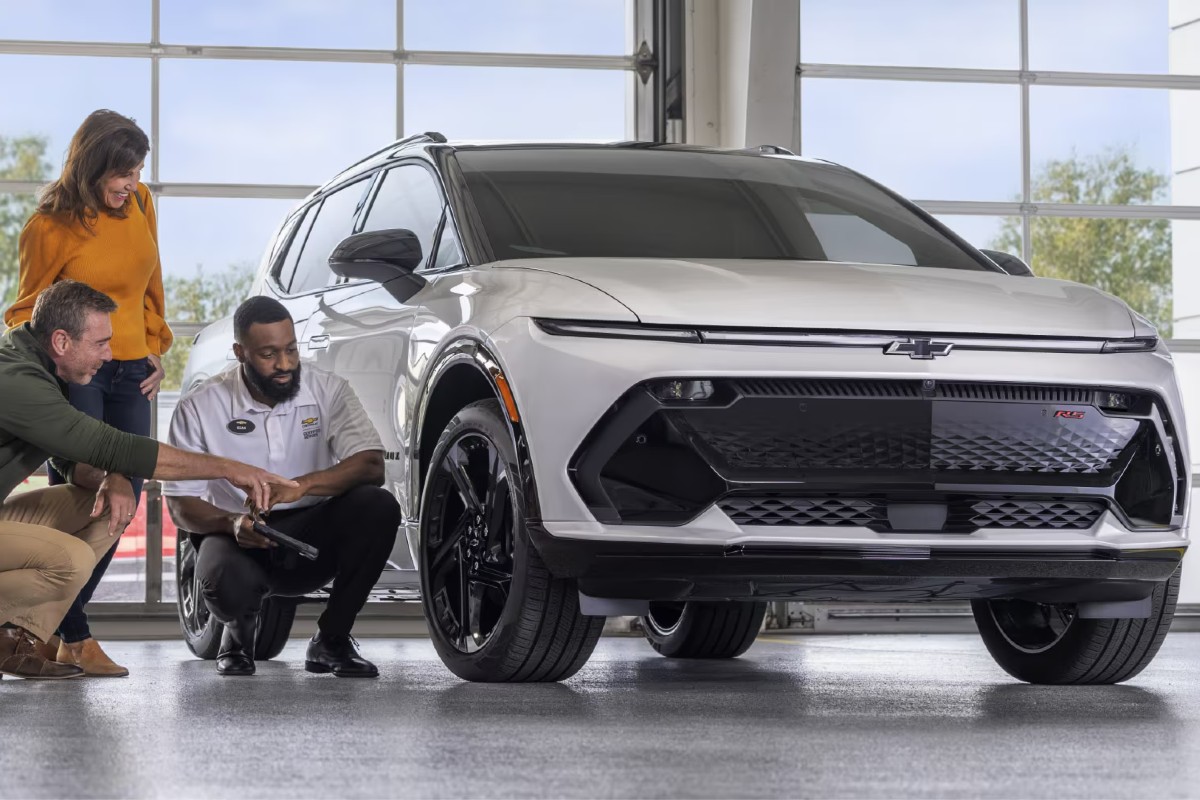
pixel 319 342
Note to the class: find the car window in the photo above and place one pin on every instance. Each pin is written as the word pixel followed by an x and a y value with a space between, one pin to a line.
pixel 333 222
pixel 408 198
pixel 847 237
pixel 449 250
pixel 287 265
pixel 684 204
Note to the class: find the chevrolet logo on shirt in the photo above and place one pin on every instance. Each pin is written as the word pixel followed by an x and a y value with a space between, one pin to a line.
pixel 310 421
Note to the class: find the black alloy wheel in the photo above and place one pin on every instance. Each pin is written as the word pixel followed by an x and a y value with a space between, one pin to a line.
pixel 1052 644
pixel 495 611
pixel 470 569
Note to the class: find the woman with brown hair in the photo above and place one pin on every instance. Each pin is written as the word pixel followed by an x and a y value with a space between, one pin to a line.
pixel 96 224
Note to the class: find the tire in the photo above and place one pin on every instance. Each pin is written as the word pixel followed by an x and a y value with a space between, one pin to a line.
pixel 1048 644
pixel 202 633
pixel 274 626
pixel 495 612
pixel 703 630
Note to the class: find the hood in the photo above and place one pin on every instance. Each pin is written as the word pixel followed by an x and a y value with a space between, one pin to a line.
pixel 837 296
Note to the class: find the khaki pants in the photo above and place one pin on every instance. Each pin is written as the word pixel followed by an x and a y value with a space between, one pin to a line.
pixel 48 547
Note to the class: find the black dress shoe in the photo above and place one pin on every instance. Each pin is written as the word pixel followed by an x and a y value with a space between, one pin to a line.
pixel 234 657
pixel 337 654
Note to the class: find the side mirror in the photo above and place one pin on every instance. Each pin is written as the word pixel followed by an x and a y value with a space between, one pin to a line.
pixel 387 257
pixel 1009 263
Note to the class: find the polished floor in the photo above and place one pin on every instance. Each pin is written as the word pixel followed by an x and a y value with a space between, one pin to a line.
pixel 798 716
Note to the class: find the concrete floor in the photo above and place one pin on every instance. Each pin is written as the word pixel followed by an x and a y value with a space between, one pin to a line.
pixel 798 716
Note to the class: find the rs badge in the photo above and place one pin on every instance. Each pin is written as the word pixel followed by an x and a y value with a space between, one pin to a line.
pixel 1064 414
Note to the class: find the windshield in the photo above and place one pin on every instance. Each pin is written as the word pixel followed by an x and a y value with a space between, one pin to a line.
pixel 656 203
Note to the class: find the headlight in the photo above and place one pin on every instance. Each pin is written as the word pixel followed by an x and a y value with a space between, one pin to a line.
pixel 616 330
pixel 1141 344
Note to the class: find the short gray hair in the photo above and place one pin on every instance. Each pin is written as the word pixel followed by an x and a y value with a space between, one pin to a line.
pixel 64 306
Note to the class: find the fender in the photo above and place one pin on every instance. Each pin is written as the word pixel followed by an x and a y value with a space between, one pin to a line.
pixel 476 354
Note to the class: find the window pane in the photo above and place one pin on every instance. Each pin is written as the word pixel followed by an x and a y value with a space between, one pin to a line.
pixel 1105 36
pixel 66 90
pixel 334 222
pixel 594 27
pixel 1128 258
pixel 211 235
pixel 14 210
pixel 986 233
pixel 73 21
pixel 933 33
pixel 449 249
pixel 272 122
pixel 1094 145
pixel 926 141
pixel 1185 255
pixel 408 198
pixel 513 103
pixel 369 24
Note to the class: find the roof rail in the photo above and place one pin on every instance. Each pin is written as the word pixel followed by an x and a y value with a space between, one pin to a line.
pixel 769 149
pixel 428 136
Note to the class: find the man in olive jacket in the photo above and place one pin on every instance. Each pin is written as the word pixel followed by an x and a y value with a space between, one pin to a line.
pixel 51 538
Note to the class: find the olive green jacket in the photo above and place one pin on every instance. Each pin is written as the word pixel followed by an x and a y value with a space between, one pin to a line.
pixel 37 422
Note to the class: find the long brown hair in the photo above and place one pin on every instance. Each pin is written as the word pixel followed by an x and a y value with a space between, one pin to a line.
pixel 106 144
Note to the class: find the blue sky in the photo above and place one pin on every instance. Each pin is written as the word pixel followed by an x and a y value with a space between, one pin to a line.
pixel 289 122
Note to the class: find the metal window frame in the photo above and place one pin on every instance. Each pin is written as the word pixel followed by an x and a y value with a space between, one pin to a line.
pixel 155 52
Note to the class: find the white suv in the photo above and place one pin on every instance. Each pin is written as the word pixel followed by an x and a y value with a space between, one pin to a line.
pixel 679 383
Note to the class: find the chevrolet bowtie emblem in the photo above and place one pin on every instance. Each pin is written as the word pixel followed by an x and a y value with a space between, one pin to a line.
pixel 924 349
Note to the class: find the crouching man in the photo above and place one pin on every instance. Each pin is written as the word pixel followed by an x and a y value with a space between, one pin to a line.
pixel 309 425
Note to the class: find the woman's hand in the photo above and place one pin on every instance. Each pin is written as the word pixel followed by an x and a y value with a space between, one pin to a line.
pixel 150 385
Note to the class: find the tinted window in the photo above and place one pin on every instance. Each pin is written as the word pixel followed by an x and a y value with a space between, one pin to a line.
pixel 334 222
pixel 408 198
pixel 449 251
pixel 287 268
pixel 625 203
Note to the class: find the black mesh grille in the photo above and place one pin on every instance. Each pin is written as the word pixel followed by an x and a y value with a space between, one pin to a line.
pixel 834 511
pixel 1011 512
pixel 831 388
pixel 964 512
pixel 1010 393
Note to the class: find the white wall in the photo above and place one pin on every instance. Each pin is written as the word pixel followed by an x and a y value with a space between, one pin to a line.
pixel 1184 16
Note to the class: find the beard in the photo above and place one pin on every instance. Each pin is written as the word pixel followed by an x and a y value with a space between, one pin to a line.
pixel 266 386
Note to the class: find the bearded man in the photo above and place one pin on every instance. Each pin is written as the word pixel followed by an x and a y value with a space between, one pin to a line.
pixel 310 425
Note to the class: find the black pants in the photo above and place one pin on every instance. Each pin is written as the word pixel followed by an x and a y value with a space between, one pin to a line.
pixel 114 395
pixel 354 532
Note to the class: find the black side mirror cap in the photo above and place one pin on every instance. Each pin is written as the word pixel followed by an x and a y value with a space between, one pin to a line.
pixel 387 257
pixel 1009 263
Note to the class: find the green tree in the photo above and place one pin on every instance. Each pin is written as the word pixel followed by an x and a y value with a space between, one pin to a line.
pixel 1130 258
pixel 21 159
pixel 201 299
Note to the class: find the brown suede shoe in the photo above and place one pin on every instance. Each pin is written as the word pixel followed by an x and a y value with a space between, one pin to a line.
pixel 19 659
pixel 88 655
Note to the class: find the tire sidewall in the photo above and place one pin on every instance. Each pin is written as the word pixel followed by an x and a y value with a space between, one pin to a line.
pixel 483 418
pixel 206 644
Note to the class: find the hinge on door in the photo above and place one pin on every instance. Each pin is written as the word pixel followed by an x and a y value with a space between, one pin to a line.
pixel 645 62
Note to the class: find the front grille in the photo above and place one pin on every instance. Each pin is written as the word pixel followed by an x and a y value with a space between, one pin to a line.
pixel 833 511
pixel 964 513
pixel 1014 512
pixel 803 436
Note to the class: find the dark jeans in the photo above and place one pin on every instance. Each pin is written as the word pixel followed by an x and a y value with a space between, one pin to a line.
pixel 354 532
pixel 114 396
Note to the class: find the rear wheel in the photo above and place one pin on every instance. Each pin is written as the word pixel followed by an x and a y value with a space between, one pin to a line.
pixel 1050 643
pixel 495 612
pixel 703 630
pixel 202 633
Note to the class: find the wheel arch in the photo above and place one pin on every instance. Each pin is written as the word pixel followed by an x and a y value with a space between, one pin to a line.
pixel 467 371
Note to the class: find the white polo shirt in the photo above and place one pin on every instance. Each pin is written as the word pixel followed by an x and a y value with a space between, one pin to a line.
pixel 322 425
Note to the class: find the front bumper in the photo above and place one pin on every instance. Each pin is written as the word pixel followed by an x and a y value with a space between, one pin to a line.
pixel 566 389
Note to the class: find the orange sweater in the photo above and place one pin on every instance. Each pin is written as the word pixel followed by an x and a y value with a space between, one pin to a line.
pixel 117 256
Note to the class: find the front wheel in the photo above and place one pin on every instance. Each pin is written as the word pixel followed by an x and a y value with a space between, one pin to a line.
pixel 703 630
pixel 1049 643
pixel 495 612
